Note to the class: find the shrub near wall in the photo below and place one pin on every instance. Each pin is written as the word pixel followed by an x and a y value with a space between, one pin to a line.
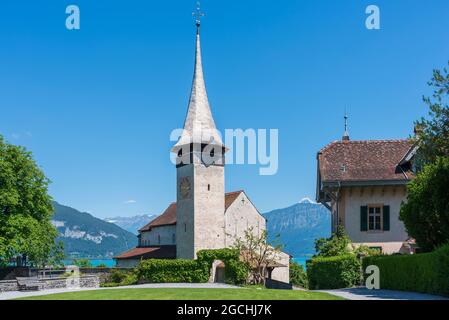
pixel 171 271
pixel 333 272
pixel 425 272
pixel 236 271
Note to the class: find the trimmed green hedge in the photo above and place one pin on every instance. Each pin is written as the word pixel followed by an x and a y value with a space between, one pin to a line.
pixel 171 271
pixel 179 270
pixel 424 272
pixel 236 271
pixel 333 272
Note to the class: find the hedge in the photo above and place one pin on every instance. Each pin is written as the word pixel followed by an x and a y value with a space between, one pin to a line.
pixel 236 271
pixel 424 272
pixel 333 272
pixel 171 271
pixel 189 271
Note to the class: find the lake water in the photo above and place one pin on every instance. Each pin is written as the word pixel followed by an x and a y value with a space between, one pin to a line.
pixel 95 262
pixel 110 263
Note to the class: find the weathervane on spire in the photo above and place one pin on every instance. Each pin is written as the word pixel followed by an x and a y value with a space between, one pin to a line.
pixel 346 133
pixel 198 14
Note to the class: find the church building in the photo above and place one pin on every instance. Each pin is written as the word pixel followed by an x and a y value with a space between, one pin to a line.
pixel 203 216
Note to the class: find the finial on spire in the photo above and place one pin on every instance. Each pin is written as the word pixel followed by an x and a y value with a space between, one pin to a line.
pixel 198 14
pixel 346 133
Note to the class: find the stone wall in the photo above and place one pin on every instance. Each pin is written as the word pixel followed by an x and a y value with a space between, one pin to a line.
pixel 9 285
pixel 104 273
pixel 164 235
pixel 241 216
pixel 55 283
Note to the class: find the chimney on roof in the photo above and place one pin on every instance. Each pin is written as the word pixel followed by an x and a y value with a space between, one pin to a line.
pixel 346 133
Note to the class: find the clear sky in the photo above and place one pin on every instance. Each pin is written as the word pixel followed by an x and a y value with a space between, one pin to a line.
pixel 96 106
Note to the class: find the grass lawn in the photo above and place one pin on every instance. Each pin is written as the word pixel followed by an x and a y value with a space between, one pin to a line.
pixel 187 294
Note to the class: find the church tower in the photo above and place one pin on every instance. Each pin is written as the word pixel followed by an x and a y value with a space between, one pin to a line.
pixel 200 173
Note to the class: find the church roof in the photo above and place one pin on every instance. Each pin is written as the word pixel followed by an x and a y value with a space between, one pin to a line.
pixel 199 125
pixel 365 161
pixel 159 252
pixel 169 216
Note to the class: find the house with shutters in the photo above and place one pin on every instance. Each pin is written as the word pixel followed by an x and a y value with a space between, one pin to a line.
pixel 363 184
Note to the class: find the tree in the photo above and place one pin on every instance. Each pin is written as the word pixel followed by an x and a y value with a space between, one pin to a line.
pixel 25 208
pixel 432 135
pixel 340 244
pixel 82 263
pixel 257 254
pixel 426 211
pixel 298 276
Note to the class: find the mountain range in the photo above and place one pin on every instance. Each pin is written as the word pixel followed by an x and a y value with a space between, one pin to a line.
pixel 298 226
pixel 85 236
pixel 131 224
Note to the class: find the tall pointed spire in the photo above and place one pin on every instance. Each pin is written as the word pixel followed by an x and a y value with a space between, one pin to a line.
pixel 199 125
pixel 346 133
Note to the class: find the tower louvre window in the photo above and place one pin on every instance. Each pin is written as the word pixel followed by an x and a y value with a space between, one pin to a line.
pixel 208 187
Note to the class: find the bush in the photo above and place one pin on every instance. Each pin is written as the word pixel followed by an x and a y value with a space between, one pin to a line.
pixel 424 272
pixel 236 271
pixel 82 263
pixel 120 278
pixel 333 272
pixel 298 277
pixel 171 271
pixel 426 212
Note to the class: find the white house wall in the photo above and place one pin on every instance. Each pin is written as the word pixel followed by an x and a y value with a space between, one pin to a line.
pixel 391 241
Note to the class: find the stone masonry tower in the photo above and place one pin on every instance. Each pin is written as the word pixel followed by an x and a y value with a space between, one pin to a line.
pixel 200 173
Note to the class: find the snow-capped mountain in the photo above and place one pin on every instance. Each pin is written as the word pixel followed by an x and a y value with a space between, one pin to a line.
pixel 131 224
pixel 299 225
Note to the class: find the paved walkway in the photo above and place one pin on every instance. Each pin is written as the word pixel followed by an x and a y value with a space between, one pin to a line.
pixel 21 294
pixel 362 293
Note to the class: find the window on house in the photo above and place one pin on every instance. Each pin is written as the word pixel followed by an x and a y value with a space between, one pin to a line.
pixel 173 238
pixel 185 227
pixel 374 218
pixel 159 239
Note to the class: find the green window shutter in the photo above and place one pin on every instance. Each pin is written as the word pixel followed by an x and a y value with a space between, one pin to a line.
pixel 363 218
pixel 386 218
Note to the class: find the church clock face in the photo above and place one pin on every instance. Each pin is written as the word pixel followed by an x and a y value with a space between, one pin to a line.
pixel 184 187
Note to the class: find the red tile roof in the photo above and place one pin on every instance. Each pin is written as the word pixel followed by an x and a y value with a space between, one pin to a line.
pixel 369 160
pixel 161 252
pixel 169 215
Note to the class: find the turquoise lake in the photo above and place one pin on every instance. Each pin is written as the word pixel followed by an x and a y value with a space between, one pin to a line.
pixel 110 263
pixel 95 262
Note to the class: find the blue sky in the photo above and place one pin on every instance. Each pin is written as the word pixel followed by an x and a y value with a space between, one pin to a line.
pixel 96 106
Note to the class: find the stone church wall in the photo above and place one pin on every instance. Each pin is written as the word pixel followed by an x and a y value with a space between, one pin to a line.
pixel 240 216
pixel 164 235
